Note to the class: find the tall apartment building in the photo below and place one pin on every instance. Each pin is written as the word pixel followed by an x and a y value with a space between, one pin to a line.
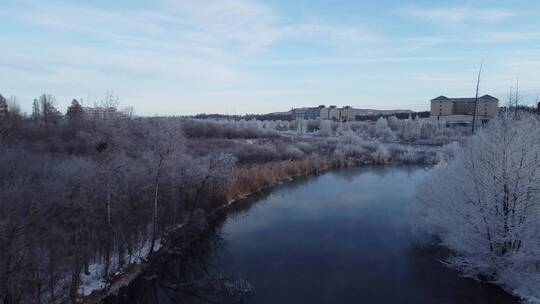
pixel 462 109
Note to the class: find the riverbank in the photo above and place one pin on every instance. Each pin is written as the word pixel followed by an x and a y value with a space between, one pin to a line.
pixel 249 180
pixel 196 226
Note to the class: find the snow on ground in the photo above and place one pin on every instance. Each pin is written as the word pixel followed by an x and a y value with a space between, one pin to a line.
pixel 92 281
pixel 95 281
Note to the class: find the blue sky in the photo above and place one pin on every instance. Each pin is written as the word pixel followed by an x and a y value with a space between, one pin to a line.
pixel 254 56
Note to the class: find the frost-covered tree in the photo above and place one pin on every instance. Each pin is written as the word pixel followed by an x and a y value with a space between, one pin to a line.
pixel 301 128
pixel 394 123
pixel 325 128
pixel 427 129
pixel 485 205
pixel 410 130
pixel 381 155
pixel 381 128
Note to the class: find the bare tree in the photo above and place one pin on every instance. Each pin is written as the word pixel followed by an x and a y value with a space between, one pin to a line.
pixel 110 100
pixel 129 111
pixel 513 98
pixel 14 107
pixel 36 111
pixel 476 98
pixel 6 121
pixel 48 111
pixel 166 141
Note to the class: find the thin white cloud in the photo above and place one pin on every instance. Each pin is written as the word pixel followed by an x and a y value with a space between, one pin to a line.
pixel 356 60
pixel 509 37
pixel 242 21
pixel 457 15
pixel 234 24
pixel 134 63
pixel 186 41
pixel 337 34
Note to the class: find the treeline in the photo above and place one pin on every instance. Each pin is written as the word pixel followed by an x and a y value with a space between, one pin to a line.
pixel 287 116
pixel 391 129
pixel 400 115
pixel 225 129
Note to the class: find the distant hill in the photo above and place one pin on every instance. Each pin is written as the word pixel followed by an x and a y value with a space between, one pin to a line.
pixel 382 112
pixel 279 113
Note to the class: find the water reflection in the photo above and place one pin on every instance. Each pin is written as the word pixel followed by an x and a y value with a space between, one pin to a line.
pixel 340 237
pixel 188 277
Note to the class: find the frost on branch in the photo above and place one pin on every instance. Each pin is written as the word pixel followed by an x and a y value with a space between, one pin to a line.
pixel 485 205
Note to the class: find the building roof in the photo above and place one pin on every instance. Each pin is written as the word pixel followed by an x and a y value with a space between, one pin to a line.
pixel 440 98
pixel 466 99
pixel 489 97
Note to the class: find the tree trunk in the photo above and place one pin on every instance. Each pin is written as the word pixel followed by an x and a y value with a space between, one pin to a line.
pixel 108 208
pixel 7 268
pixel 51 274
pixel 86 256
pixel 75 274
pixel 108 236
pixel 154 230
pixel 156 194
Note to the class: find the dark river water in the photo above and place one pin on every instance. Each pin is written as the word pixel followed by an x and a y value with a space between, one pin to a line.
pixel 341 237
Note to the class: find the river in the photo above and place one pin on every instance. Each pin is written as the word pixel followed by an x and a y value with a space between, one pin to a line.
pixel 340 237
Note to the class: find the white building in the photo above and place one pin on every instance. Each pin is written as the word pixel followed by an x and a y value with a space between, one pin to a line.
pixel 103 113
pixel 307 113
pixel 346 113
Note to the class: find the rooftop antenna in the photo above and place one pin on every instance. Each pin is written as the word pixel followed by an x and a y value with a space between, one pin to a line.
pixel 476 97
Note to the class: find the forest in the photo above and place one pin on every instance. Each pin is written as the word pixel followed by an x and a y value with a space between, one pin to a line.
pixel 83 197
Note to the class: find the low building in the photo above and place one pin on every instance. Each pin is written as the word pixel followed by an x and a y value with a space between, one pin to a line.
pixel 346 113
pixel 102 112
pixel 462 110
pixel 307 113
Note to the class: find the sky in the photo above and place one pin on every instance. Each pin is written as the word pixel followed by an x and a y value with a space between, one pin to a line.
pixel 180 57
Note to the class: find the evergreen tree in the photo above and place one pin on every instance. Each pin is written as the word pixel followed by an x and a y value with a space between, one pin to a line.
pixel 74 112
